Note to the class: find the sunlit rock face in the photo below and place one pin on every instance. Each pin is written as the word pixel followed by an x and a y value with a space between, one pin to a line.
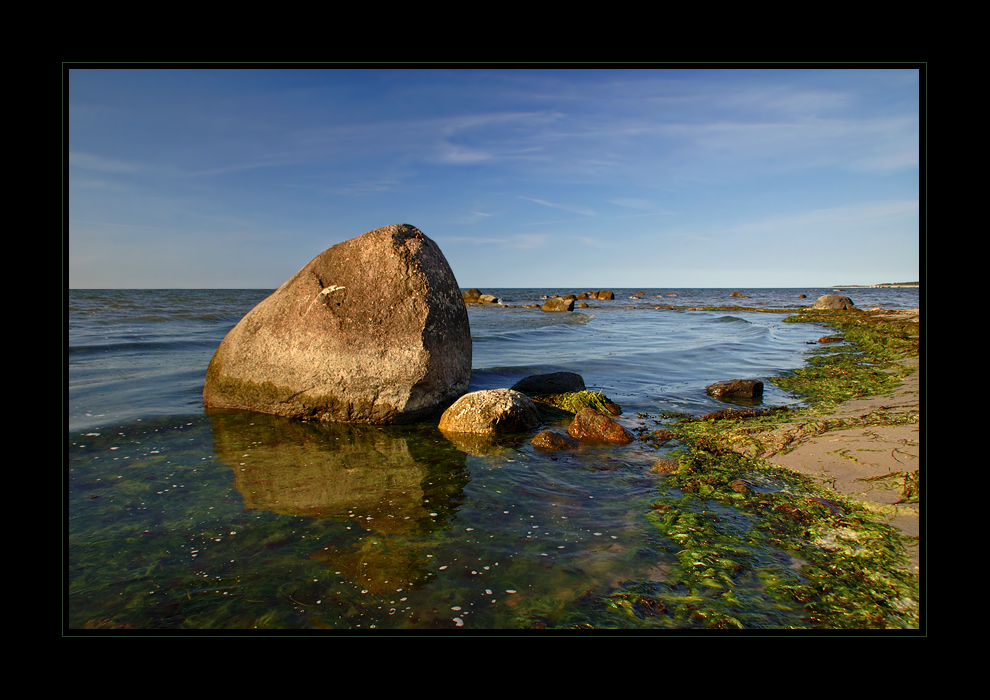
pixel 373 330
pixel 835 302
pixel 490 412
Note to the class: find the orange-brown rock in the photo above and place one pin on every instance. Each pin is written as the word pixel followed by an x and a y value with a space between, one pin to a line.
pixel 591 425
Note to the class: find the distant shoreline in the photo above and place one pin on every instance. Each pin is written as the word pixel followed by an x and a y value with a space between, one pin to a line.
pixel 876 286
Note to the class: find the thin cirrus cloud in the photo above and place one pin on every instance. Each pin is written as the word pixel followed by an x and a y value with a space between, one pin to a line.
pixel 89 161
pixel 566 207
pixel 869 212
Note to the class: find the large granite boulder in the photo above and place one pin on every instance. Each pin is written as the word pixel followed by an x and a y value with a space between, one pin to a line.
pixel 373 330
pixel 490 412
pixel 834 301
pixel 471 294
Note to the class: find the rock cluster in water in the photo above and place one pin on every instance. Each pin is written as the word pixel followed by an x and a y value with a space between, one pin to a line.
pixel 372 330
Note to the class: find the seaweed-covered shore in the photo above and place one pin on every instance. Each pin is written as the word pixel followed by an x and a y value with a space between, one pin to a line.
pixel 815 509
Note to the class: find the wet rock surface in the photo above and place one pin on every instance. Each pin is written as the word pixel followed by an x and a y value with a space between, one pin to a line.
pixel 490 412
pixel 590 425
pixel 736 388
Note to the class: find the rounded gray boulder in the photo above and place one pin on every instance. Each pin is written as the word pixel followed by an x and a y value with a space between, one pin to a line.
pixel 372 330
pixel 834 301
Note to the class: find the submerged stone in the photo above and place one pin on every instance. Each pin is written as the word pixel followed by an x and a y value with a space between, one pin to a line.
pixel 373 330
pixel 552 441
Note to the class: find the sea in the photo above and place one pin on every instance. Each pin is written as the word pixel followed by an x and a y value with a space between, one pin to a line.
pixel 179 518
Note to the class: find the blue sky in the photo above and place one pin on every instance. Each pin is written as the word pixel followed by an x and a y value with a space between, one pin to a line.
pixel 525 178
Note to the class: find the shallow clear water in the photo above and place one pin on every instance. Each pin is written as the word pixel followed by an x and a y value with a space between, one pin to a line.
pixel 181 518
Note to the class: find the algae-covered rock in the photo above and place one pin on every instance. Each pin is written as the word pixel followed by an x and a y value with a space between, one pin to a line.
pixel 575 401
pixel 558 304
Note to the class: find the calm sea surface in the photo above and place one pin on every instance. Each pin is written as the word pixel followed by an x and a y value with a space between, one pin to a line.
pixel 179 519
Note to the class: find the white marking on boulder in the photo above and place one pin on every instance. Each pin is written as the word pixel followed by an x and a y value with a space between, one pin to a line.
pixel 324 292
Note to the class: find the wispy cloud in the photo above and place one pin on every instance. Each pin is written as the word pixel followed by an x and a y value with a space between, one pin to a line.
pixel 475 241
pixel 566 207
pixel 868 212
pixel 89 161
pixel 518 240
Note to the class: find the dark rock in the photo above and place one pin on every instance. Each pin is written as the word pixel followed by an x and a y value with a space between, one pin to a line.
pixel 834 301
pixel 551 441
pixel 491 412
pixel 552 383
pixel 802 296
pixel 581 305
pixel 558 304
pixel 736 388
pixel 589 424
pixel 373 330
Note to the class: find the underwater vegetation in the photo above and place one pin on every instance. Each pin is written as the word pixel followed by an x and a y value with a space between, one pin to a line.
pixel 757 546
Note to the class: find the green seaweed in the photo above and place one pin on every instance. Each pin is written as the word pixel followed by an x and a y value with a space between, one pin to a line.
pixel 758 546
pixel 868 363
pixel 575 401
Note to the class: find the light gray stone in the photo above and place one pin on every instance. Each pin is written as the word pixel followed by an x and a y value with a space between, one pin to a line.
pixel 490 412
